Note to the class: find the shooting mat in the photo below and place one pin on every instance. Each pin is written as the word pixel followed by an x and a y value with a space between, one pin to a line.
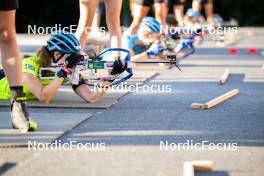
pixel 50 127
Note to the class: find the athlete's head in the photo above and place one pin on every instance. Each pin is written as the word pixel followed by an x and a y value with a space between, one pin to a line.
pixel 149 30
pixel 218 20
pixel 192 13
pixel 193 16
pixel 62 43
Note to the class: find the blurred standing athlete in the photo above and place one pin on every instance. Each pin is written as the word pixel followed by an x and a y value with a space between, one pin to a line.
pixel 209 9
pixel 12 64
pixel 140 10
pixel 87 11
pixel 178 8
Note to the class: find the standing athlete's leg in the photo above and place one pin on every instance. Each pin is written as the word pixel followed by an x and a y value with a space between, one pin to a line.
pixel 160 11
pixel 97 17
pixel 209 11
pixel 140 10
pixel 196 5
pixel 87 10
pixel 113 10
pixel 11 57
pixel 178 8
pixel 12 65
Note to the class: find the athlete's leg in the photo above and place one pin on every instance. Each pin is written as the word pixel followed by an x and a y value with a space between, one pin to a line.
pixel 131 7
pixel 97 17
pixel 113 10
pixel 196 5
pixel 12 65
pixel 11 57
pixel 178 8
pixel 87 10
pixel 209 11
pixel 160 11
pixel 140 10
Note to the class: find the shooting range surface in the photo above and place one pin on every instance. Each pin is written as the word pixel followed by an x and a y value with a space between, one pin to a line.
pixel 133 128
pixel 50 127
pixel 66 98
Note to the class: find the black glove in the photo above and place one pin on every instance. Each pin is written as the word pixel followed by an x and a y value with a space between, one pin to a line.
pixel 72 60
pixel 198 31
pixel 118 67
pixel 81 81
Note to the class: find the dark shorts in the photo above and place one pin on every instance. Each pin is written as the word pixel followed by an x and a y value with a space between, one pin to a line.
pixel 148 2
pixel 2 74
pixel 176 2
pixel 100 8
pixel 8 4
pixel 202 1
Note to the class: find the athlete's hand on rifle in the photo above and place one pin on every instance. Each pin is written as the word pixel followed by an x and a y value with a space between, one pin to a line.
pixel 118 67
pixel 70 62
pixel 155 49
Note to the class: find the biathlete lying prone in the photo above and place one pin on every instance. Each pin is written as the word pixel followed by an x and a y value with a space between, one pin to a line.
pixel 62 48
pixel 150 42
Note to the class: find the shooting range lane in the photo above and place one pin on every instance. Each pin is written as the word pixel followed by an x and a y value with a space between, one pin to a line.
pixel 140 76
pixel 152 66
pixel 172 110
pixel 50 127
pixel 66 98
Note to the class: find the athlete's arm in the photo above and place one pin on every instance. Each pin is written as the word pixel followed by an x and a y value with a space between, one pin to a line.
pixel 87 95
pixel 140 57
pixel 43 93
pixel 155 49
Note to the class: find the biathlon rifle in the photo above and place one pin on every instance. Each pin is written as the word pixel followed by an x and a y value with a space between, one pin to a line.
pixel 178 49
pixel 88 68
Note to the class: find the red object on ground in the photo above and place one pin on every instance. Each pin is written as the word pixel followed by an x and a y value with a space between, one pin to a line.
pixel 233 51
pixel 252 51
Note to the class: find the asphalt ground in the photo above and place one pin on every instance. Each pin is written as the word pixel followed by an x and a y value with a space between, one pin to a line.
pixel 133 129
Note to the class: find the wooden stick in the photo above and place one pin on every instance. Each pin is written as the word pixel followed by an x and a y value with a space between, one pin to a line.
pixel 222 98
pixel 216 101
pixel 198 106
pixel 202 165
pixel 224 77
pixel 197 165
pixel 188 169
